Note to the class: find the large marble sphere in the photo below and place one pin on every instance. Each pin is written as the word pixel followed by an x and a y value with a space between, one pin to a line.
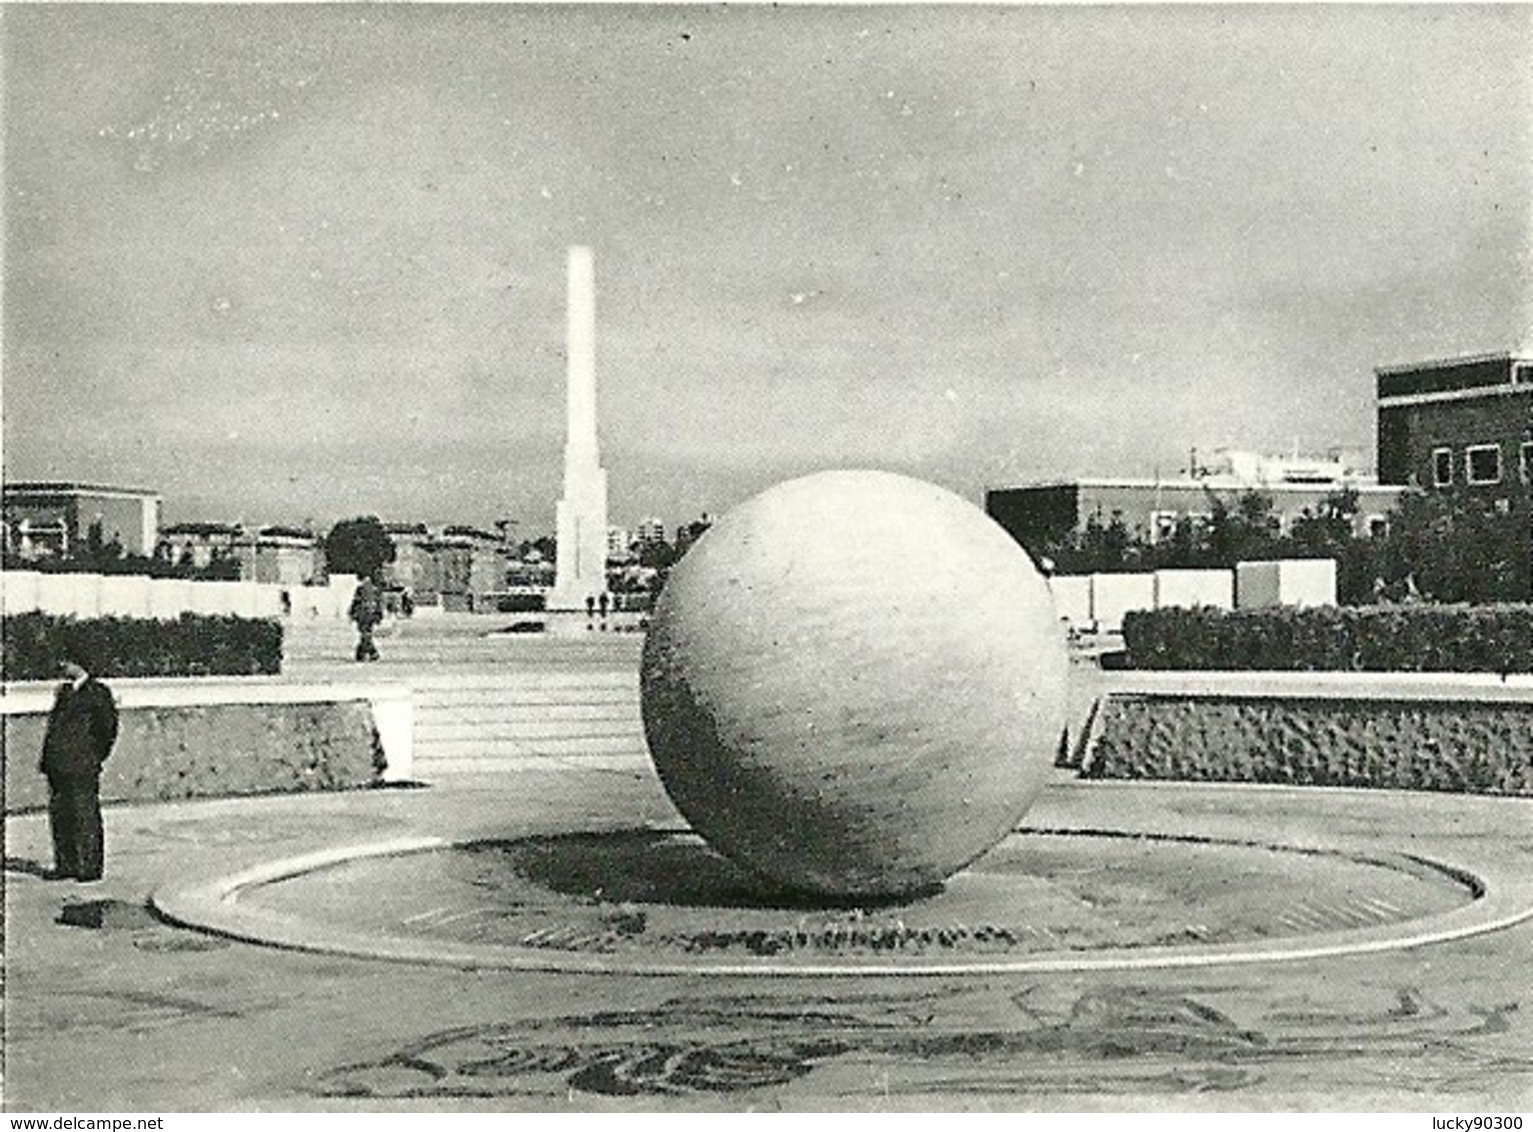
pixel 854 684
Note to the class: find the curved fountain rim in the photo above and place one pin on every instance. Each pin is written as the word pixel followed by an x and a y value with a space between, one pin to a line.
pixel 214 906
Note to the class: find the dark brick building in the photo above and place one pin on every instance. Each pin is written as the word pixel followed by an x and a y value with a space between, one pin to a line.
pixel 1464 423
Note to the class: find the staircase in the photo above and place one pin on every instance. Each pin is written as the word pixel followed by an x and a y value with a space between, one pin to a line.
pixel 528 721
pixel 488 702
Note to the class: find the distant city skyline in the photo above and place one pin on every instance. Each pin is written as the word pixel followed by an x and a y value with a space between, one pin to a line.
pixel 296 263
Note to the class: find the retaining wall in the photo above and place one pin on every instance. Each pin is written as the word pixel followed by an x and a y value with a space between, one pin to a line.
pixel 211 737
pixel 1401 731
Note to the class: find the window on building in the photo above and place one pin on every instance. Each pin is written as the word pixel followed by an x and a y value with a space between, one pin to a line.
pixel 1442 467
pixel 1482 463
pixel 1527 461
pixel 1378 526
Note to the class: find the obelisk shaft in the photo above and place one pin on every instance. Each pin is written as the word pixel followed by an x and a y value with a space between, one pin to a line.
pixel 581 571
pixel 580 348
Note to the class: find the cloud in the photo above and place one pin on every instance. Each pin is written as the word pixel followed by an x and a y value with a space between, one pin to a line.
pixel 942 238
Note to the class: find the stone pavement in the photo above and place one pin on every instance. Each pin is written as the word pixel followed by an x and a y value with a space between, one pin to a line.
pixel 110 1008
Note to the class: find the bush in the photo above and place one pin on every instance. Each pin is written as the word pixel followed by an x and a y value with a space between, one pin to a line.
pixel 191 645
pixel 1385 638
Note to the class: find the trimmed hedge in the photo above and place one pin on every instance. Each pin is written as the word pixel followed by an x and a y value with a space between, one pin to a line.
pixel 1382 638
pixel 192 645
pixel 1470 748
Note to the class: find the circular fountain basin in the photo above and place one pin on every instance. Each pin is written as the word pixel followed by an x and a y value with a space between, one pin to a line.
pixel 660 900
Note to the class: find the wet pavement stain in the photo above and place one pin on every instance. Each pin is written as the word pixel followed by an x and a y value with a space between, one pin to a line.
pixel 1111 1039
pixel 106 915
pixel 148 931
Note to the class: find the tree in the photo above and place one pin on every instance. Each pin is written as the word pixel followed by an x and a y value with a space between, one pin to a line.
pixel 657 555
pixel 1247 532
pixel 358 546
pixel 1328 527
pixel 1097 547
pixel 1454 545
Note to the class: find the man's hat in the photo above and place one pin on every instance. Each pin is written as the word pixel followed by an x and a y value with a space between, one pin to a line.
pixel 79 651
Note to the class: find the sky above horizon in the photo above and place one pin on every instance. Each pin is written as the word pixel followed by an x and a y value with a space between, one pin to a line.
pixel 291 263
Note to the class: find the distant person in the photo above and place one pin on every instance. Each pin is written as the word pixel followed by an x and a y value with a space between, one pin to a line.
pixel 82 727
pixel 366 610
pixel 590 607
pixel 603 602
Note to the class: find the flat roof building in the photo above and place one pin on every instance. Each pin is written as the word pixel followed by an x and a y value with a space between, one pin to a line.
pixel 1465 421
pixel 54 519
pixel 1038 514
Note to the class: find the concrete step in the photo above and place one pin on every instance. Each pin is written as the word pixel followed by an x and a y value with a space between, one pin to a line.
pixel 293 666
pixel 568 714
pixel 552 743
pixel 492 705
pixel 431 735
pixel 552 679
pixel 426 677
pixel 531 704
pixel 459 766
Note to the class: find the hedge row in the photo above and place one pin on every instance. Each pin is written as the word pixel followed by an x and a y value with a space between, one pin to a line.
pixel 192 645
pixel 1383 638
pixel 1461 748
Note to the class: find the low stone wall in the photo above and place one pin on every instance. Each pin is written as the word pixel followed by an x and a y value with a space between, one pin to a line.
pixel 1479 740
pixel 185 739
pixel 134 595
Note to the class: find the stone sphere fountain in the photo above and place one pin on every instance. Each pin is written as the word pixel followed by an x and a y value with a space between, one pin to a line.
pixel 854 684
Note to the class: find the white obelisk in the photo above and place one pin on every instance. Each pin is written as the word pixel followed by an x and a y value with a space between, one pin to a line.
pixel 582 514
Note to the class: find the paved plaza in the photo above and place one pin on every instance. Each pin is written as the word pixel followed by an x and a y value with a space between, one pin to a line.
pixel 108 1006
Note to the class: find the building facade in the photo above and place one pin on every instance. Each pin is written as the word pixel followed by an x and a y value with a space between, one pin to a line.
pixel 285 555
pixel 649 532
pixel 458 568
pixel 1464 424
pixel 620 544
pixel 198 544
pixel 1039 514
pixel 49 519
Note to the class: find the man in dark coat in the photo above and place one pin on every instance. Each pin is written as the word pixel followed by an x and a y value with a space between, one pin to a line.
pixel 81 730
pixel 366 610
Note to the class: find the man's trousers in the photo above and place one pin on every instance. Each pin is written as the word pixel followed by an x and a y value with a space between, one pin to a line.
pixel 74 815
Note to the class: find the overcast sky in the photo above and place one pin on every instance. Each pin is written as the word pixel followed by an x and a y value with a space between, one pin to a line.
pixel 287 263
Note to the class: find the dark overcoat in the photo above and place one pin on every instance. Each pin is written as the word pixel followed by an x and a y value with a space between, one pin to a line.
pixel 81 730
